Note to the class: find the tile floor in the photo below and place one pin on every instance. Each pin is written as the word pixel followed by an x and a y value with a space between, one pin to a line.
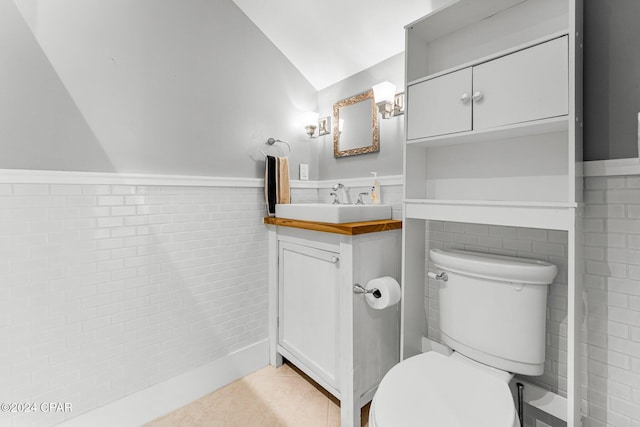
pixel 269 397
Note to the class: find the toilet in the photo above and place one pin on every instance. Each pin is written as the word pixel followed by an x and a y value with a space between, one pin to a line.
pixel 492 315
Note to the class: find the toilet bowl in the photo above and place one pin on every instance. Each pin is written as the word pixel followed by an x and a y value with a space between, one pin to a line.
pixel 431 389
pixel 492 314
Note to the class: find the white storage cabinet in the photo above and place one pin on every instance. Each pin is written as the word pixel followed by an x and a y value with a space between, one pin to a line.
pixel 527 85
pixel 509 157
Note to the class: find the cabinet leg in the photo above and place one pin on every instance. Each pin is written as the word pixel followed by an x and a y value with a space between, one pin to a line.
pixel 276 360
pixel 349 413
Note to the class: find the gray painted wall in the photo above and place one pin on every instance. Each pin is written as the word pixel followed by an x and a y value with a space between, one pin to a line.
pixel 612 79
pixel 195 88
pixel 150 86
pixel 389 160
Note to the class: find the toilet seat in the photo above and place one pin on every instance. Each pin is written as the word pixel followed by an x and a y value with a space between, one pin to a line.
pixel 431 389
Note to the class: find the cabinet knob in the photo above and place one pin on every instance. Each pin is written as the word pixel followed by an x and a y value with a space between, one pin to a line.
pixel 335 259
pixel 465 98
pixel 477 96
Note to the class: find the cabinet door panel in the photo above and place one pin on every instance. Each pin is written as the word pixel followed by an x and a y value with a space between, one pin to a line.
pixel 309 281
pixel 435 107
pixel 527 85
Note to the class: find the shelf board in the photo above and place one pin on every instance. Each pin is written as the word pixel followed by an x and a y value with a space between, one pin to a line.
pixel 546 215
pixel 451 18
pixel 537 127
pixel 491 57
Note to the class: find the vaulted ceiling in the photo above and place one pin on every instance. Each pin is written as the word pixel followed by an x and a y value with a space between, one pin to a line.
pixel 330 40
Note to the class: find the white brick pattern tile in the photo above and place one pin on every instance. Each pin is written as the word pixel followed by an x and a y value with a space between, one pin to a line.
pixel 611 337
pixel 106 290
pixel 611 359
pixel 544 245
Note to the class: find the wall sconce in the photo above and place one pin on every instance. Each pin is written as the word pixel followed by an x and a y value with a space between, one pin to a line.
pixel 310 122
pixel 324 126
pixel 389 103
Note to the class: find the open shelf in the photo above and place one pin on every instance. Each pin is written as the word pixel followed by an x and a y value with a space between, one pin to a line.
pixel 457 16
pixel 470 30
pixel 538 127
pixel 546 215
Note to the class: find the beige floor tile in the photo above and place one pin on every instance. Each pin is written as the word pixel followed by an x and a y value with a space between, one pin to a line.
pixel 284 370
pixel 333 418
pixel 269 397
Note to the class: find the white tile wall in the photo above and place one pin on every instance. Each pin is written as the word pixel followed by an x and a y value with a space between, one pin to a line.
pixel 611 336
pixel 547 245
pixel 611 348
pixel 108 289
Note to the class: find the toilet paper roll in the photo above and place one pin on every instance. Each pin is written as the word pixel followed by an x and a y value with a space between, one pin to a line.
pixel 389 292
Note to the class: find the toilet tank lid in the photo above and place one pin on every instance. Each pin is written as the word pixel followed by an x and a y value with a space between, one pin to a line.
pixel 495 267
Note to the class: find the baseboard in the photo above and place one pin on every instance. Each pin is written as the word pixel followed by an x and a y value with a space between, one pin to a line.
pixel 153 402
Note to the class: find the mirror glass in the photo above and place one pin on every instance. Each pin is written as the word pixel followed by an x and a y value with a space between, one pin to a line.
pixel 355 126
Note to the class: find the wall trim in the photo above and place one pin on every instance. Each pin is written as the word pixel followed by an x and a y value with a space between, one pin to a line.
pixel 25 176
pixel 614 167
pixel 362 182
pixel 160 399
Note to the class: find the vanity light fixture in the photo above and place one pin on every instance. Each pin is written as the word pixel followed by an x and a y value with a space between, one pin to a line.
pixel 389 103
pixel 310 122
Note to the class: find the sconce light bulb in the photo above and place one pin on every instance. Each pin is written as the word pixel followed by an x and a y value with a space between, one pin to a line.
pixel 384 92
pixel 310 120
pixel 310 130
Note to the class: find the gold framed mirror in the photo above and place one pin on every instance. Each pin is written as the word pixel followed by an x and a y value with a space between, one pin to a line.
pixel 355 126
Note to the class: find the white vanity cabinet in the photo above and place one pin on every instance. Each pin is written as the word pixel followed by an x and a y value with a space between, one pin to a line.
pixel 530 84
pixel 308 280
pixel 316 321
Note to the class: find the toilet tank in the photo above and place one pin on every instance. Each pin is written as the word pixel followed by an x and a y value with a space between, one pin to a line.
pixel 493 308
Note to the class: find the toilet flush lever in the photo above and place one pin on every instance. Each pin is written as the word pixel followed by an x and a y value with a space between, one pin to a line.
pixel 440 276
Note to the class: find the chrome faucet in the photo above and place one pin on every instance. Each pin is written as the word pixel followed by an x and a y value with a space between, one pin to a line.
pixel 360 201
pixel 345 191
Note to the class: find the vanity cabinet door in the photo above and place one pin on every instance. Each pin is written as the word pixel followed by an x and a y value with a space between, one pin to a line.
pixel 530 84
pixel 440 106
pixel 308 309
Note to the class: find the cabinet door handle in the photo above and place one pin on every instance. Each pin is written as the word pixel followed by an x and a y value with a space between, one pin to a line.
pixel 465 98
pixel 477 96
pixel 335 259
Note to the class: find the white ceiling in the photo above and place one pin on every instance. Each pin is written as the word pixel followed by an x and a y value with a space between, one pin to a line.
pixel 329 40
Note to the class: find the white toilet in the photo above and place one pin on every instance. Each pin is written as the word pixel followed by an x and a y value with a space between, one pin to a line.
pixel 492 314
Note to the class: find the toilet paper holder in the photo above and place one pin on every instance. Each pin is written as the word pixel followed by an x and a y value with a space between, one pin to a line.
pixel 358 289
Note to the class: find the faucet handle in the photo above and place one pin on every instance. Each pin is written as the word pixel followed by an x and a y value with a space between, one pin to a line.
pixel 335 198
pixel 360 201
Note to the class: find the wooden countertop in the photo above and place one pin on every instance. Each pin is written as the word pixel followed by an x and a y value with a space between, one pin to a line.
pixel 349 228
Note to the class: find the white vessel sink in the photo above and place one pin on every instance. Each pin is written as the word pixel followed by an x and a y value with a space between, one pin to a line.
pixel 335 214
